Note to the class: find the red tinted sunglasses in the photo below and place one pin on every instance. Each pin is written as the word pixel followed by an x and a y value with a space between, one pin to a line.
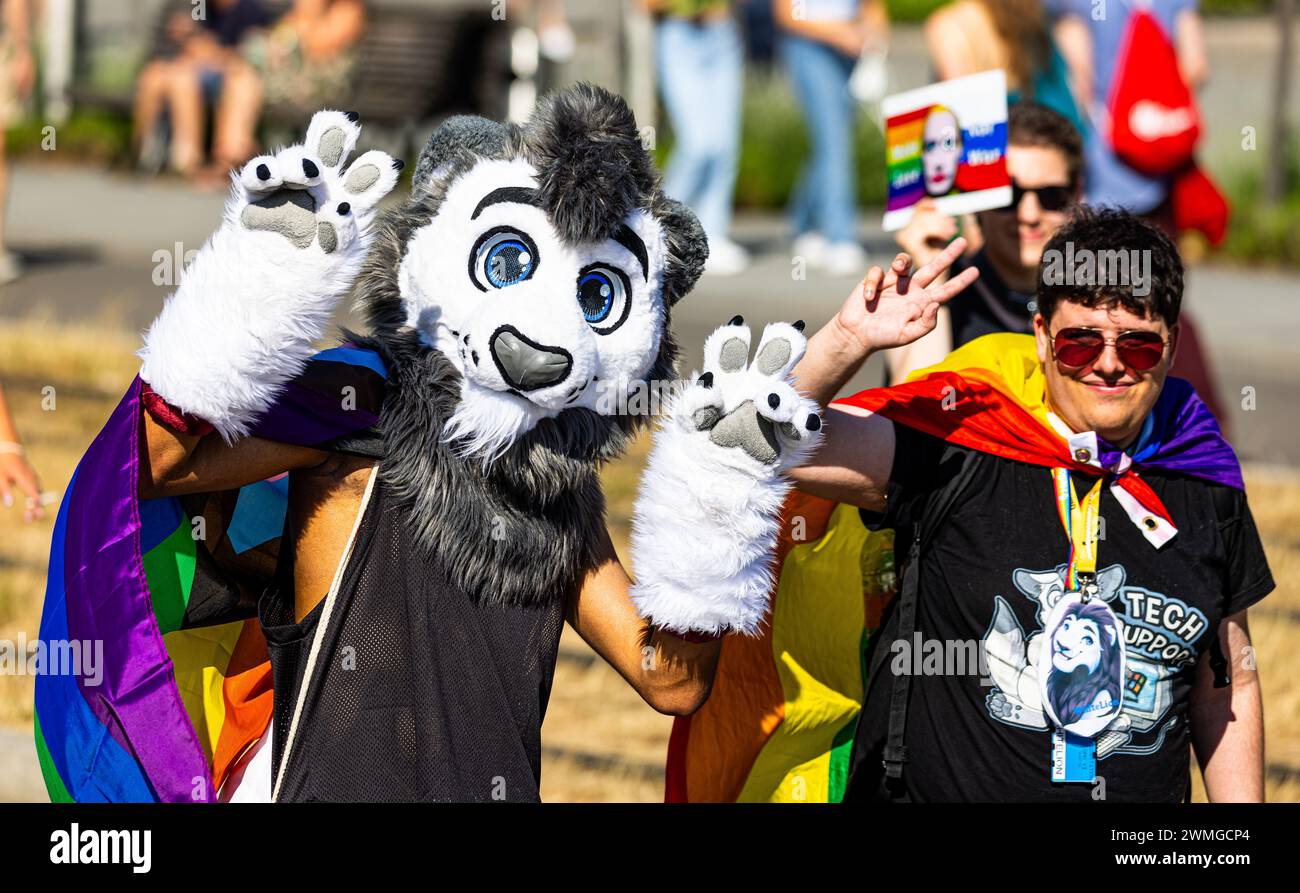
pixel 1079 347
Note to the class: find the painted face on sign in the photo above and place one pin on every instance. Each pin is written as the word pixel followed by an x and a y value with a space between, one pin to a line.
pixel 941 151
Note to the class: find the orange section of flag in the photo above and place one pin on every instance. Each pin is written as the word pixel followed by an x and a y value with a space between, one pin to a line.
pixel 248 695
pixel 711 752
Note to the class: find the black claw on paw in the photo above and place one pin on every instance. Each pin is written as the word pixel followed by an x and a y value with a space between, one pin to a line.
pixel 773 400
pixel 706 380
pixel 737 320
pixel 814 422
pixel 352 116
pixel 263 172
pixel 799 325
pixel 474 355
pixel 344 208
pixel 310 169
pixel 398 164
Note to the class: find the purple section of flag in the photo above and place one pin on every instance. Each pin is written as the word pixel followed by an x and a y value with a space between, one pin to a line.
pixel 108 601
pixel 1185 439
pixel 905 198
pixel 106 590
pixel 308 417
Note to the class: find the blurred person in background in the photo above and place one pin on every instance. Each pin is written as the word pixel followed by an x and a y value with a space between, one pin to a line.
pixel 821 43
pixel 305 60
pixel 1045 162
pixel 966 37
pixel 700 66
pixel 1110 180
pixel 17 76
pixel 556 41
pixel 970 36
pixel 16 473
pixel 204 72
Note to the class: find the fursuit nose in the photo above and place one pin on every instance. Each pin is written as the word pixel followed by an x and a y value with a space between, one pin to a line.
pixel 525 364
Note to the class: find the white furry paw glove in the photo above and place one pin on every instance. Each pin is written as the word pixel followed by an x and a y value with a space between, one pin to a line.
pixel 260 293
pixel 708 511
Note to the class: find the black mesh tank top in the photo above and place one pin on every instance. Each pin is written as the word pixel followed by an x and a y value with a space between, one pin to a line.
pixel 417 692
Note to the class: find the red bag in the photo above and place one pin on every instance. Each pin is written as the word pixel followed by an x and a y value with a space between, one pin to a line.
pixel 1197 204
pixel 1154 122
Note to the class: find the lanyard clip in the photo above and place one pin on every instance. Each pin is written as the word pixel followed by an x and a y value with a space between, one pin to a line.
pixel 1087 586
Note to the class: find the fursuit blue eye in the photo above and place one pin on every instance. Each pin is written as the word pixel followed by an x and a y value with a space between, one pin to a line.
pixel 603 296
pixel 502 257
pixel 596 295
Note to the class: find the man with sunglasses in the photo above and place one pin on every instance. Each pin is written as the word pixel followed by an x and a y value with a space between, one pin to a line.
pixel 1069 510
pixel 1045 162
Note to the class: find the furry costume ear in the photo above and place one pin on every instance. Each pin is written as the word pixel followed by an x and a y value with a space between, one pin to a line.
pixel 592 170
pixel 461 139
pixel 687 246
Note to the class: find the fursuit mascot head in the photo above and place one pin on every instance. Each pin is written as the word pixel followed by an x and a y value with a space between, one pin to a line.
pixel 517 295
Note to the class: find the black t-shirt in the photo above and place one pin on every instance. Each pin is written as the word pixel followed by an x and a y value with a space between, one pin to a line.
pixel 990 570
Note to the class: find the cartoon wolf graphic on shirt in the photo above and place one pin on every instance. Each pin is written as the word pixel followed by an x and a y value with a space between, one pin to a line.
pixel 1160 633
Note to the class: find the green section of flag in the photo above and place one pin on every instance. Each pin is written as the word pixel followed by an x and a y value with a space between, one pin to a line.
pixel 53 783
pixel 169 569
pixel 842 745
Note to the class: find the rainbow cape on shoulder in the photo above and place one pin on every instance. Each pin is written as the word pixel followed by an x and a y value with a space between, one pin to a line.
pixel 155 675
pixel 779 723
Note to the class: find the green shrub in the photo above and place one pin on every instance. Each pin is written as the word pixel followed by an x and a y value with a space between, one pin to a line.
pixel 917 10
pixel 1235 7
pixel 1260 233
pixel 912 10
pixel 98 136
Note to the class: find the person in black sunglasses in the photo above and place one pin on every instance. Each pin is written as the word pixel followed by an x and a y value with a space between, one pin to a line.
pixel 1045 160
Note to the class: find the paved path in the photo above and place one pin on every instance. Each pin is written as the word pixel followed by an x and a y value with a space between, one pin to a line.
pixel 20 775
pixel 96 243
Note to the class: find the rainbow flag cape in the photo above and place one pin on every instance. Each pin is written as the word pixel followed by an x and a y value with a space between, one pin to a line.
pixel 163 593
pixel 780 721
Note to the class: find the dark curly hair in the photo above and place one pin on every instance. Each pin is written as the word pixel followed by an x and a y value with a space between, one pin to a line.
pixel 1107 237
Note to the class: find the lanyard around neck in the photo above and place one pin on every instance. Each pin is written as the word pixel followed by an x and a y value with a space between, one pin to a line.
pixel 1082 524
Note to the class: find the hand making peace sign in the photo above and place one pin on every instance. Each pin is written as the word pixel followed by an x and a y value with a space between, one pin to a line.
pixel 893 308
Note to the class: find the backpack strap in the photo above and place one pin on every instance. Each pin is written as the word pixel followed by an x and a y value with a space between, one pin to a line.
pixel 1222 499
pixel 895 752
pixel 894 755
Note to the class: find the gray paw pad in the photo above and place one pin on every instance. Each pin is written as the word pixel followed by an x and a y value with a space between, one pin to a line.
pixel 289 212
pixel 361 178
pixel 331 146
pixel 328 236
pixel 706 417
pixel 743 427
pixel 734 355
pixel 773 356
